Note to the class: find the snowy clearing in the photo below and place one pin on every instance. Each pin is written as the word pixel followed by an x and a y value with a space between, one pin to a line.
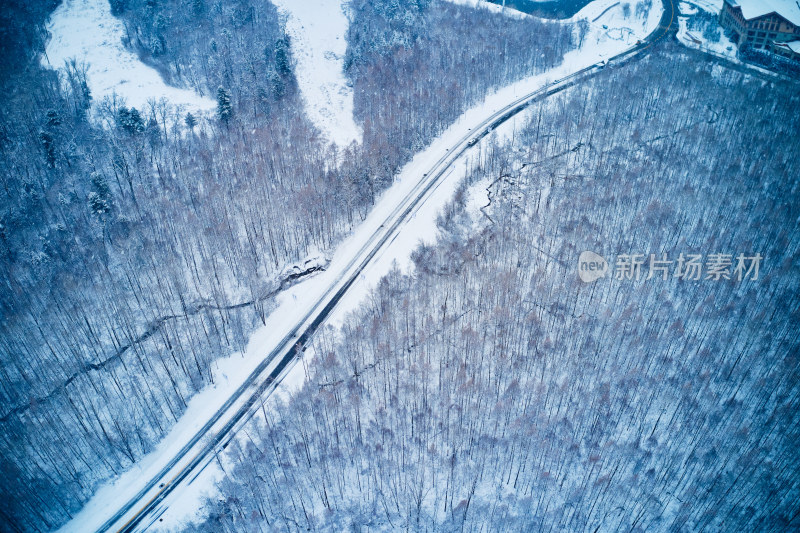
pixel 609 21
pixel 184 503
pixel 318 30
pixel 87 31
pixel 689 10
pixel 479 203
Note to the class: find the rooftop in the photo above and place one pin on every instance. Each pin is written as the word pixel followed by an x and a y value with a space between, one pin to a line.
pixel 794 46
pixel 751 9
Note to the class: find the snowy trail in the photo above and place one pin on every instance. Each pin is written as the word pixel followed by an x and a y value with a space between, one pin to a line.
pixel 183 503
pixel 318 30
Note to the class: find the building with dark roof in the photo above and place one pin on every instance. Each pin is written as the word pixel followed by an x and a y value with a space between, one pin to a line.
pixel 771 25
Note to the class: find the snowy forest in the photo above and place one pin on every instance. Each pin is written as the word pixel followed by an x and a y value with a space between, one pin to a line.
pixel 137 246
pixel 492 390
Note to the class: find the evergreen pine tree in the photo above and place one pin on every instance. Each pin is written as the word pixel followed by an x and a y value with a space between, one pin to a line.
pixel 224 108
pixel 48 143
pixel 117 7
pixel 278 86
pixel 100 185
pixel 198 7
pixel 98 205
pixel 100 197
pixel 191 122
pixel 47 136
pixel 53 119
pixel 282 64
pixel 130 120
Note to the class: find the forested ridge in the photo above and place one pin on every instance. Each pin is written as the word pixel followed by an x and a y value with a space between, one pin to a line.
pixel 492 390
pixel 139 245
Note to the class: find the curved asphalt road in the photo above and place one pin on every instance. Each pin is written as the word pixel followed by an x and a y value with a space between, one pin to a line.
pixel 144 509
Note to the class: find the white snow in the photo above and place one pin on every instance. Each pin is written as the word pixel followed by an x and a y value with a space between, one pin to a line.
pixel 695 39
pixel 608 23
pixel 228 373
pixel 491 7
pixel 606 18
pixel 712 6
pixel 724 48
pixel 87 31
pixel 794 46
pixel 788 9
pixel 313 260
pixel 318 30
pixel 184 504
pixel 478 202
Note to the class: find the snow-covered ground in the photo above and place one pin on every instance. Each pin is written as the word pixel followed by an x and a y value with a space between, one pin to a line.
pixel 611 22
pixel 318 30
pixel 607 21
pixel 690 9
pixel 722 47
pixel 184 504
pixel 478 203
pixel 86 30
pixel 491 7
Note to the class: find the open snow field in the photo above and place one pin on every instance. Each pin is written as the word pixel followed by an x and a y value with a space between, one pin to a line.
pixel 292 304
pixel 87 31
pixel 318 30
pixel 611 24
